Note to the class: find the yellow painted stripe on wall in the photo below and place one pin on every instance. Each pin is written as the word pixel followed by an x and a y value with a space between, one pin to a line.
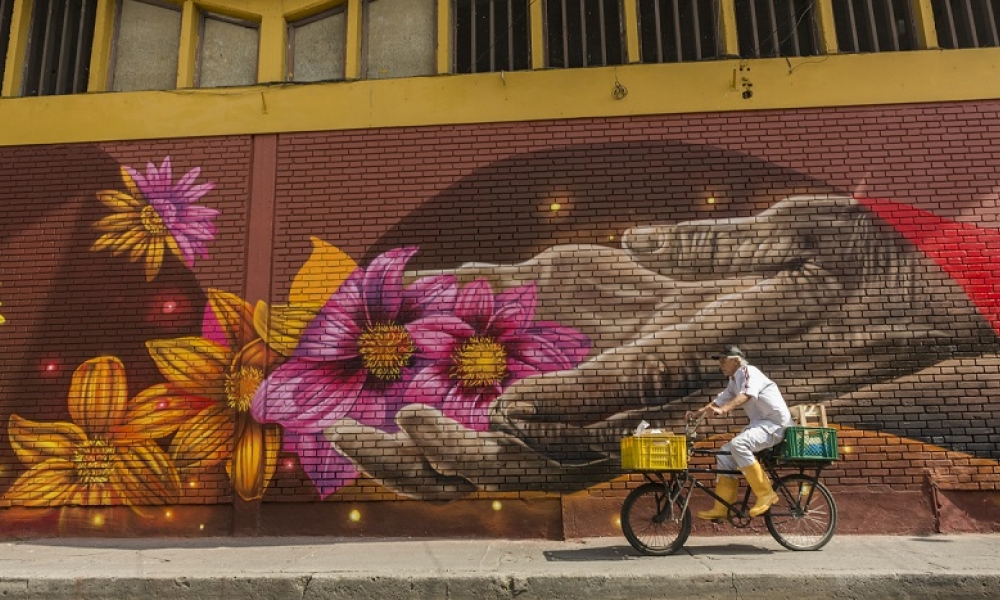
pixel 842 80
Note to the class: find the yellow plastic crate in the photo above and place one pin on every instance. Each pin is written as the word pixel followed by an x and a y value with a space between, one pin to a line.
pixel 654 452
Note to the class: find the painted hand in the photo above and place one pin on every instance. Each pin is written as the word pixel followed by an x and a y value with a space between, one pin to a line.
pixel 820 293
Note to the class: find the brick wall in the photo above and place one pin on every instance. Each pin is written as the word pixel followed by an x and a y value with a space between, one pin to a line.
pixel 898 350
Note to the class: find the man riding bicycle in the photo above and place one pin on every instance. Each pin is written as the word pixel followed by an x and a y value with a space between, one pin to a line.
pixel 769 418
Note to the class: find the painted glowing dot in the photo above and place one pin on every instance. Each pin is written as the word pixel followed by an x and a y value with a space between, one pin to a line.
pixel 98 520
pixel 845 449
pixel 169 307
pixel 289 463
pixel 497 505
pixel 192 483
pixel 618 521
pixel 202 527
pixel 50 367
pixel 555 207
pixel 169 514
pixel 711 200
pixel 611 238
pixel 354 516
pixel 162 404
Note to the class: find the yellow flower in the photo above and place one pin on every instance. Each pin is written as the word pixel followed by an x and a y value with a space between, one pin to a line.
pixel 227 375
pixel 108 454
pixel 247 344
pixel 155 215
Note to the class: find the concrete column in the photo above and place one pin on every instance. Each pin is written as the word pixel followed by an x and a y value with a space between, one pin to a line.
pixel 825 27
pixel 187 55
pixel 100 54
pixel 923 19
pixel 17 48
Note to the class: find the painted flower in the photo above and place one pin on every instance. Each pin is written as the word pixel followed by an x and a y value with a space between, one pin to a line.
pixel 489 343
pixel 222 370
pixel 107 455
pixel 355 360
pixel 157 214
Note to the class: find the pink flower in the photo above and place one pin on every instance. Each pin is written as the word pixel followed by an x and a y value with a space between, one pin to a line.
pixel 354 360
pixel 190 226
pixel 488 344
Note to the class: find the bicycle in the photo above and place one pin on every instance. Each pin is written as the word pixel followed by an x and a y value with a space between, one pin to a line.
pixel 656 517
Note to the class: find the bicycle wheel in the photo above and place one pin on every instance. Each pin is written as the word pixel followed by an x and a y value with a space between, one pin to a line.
pixel 805 516
pixel 652 523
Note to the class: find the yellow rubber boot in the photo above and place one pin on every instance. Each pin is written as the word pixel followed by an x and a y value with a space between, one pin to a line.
pixel 761 486
pixel 725 488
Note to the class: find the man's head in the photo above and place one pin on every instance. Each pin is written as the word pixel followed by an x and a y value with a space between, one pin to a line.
pixel 730 360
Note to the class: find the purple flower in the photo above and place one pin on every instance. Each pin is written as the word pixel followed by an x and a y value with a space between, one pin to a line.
pixel 354 360
pixel 489 343
pixel 190 226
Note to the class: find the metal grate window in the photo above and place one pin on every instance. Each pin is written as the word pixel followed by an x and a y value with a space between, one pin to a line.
pixel 678 30
pixel 768 28
pixel 584 33
pixel 491 35
pixel 874 25
pixel 6 16
pixel 59 44
pixel 966 23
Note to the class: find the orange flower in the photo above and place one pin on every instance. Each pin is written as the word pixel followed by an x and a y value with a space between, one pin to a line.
pixel 240 346
pixel 108 454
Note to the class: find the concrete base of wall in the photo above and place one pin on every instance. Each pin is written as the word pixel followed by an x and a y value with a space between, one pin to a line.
pixel 860 511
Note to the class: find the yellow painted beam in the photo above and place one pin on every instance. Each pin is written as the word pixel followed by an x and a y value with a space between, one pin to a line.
pixel 443 36
pixel 537 27
pixel 187 56
pixel 17 48
pixel 827 32
pixel 100 55
pixel 923 16
pixel 352 60
pixel 727 33
pixel 300 9
pixel 840 80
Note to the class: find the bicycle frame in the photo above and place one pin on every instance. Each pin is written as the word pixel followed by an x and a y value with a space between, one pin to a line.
pixel 682 480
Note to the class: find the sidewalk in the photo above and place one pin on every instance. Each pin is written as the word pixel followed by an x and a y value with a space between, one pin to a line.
pixel 952 566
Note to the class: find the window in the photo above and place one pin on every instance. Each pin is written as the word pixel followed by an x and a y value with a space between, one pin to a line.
pixel 677 30
pixel 59 43
pixel 583 33
pixel 768 28
pixel 966 23
pixel 227 52
pixel 491 35
pixel 6 16
pixel 146 46
pixel 317 46
pixel 874 25
pixel 400 38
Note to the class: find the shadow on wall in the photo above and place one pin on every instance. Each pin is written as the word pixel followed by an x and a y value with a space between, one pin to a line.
pixel 514 208
pixel 64 303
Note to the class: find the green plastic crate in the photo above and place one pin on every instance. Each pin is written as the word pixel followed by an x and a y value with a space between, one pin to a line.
pixel 810 443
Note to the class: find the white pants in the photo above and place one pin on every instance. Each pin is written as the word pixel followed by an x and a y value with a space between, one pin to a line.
pixel 741 448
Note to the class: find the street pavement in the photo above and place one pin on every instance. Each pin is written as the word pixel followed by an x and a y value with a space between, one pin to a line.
pixel 743 567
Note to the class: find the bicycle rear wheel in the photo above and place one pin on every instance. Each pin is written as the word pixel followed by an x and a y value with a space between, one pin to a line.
pixel 805 516
pixel 653 523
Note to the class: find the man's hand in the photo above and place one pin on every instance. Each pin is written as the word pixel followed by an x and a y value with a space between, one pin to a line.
pixel 813 284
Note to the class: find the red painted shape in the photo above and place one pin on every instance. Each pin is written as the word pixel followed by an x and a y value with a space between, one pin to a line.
pixel 968 253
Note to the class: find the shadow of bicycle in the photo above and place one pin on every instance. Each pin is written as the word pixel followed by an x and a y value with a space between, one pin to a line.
pixel 617 553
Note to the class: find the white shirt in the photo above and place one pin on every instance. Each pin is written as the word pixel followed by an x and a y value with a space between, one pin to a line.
pixel 765 408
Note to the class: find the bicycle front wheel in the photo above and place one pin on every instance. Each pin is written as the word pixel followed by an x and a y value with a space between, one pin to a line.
pixel 653 522
pixel 805 516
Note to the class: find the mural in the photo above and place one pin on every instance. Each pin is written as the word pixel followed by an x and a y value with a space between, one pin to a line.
pixel 463 352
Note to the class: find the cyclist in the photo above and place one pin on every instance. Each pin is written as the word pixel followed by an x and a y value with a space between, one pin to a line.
pixel 769 418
